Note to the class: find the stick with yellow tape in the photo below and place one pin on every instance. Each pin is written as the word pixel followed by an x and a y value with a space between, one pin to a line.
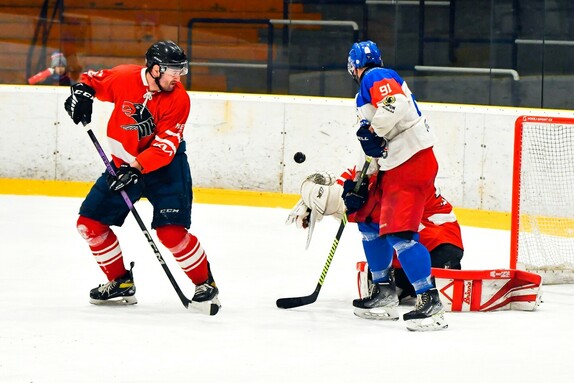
pixel 288 303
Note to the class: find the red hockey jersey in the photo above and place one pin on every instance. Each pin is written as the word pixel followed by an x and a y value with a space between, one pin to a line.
pixel 144 125
pixel 439 224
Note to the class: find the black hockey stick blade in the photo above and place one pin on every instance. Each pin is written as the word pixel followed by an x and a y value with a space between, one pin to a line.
pixel 289 303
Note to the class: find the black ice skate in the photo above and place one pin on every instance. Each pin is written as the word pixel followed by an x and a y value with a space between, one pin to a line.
pixel 119 291
pixel 206 297
pixel 381 304
pixel 428 314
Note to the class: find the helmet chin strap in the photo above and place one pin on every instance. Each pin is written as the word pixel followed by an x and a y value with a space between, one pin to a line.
pixel 156 79
pixel 356 77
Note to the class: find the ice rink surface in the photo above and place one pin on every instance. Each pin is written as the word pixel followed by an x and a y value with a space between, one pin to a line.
pixel 50 333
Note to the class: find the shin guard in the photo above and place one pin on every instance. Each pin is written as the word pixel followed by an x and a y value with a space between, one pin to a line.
pixel 186 250
pixel 104 246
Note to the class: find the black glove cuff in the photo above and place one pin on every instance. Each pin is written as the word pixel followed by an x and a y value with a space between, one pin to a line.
pixel 83 90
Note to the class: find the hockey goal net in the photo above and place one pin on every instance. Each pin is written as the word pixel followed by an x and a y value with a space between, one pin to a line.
pixel 542 227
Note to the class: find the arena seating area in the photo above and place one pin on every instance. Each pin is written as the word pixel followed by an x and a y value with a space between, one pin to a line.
pixel 101 34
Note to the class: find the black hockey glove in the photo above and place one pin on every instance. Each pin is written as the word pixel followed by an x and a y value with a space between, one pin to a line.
pixel 79 104
pixel 355 200
pixel 125 175
pixel 373 145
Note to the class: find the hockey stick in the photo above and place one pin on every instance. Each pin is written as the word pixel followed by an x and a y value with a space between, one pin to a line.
pixel 288 303
pixel 213 308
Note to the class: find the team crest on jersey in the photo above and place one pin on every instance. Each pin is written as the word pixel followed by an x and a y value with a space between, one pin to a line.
pixel 144 122
pixel 389 100
pixel 388 103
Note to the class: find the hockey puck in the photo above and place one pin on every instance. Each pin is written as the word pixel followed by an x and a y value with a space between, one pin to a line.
pixel 299 157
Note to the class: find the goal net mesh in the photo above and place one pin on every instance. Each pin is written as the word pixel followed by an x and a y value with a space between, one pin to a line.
pixel 543 198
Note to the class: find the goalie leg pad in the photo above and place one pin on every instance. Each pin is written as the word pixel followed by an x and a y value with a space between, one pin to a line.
pixel 488 290
pixel 364 282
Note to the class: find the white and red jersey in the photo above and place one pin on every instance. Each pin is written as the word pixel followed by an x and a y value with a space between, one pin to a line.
pixel 438 224
pixel 385 100
pixel 144 125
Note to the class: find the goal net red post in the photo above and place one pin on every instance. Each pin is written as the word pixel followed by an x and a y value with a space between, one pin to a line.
pixel 542 218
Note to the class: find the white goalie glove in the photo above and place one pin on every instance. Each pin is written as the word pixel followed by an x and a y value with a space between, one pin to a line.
pixel 299 215
pixel 320 196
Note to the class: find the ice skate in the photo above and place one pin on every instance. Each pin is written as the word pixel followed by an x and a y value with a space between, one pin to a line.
pixel 206 296
pixel 428 314
pixel 381 304
pixel 120 291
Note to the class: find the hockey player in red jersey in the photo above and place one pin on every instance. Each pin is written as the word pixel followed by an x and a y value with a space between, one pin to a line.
pixel 145 136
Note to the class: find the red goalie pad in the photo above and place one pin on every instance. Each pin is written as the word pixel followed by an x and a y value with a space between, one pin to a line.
pixel 488 290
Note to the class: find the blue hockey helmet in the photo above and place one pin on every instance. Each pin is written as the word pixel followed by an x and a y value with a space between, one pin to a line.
pixel 363 54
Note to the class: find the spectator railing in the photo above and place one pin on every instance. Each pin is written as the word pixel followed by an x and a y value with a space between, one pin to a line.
pixel 270 23
pixel 503 71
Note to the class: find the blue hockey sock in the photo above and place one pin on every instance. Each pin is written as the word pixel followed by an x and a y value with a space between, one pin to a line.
pixel 378 251
pixel 415 260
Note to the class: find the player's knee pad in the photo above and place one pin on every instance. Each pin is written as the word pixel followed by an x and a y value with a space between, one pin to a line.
pixel 94 232
pixel 369 231
pixel 172 236
pixel 402 241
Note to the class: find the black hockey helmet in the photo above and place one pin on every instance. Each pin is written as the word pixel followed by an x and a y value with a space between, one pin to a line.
pixel 168 55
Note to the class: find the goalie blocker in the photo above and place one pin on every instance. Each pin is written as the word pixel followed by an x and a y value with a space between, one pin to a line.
pixel 477 290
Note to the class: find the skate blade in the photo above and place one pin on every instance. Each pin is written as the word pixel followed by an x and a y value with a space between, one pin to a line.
pixel 119 301
pixel 432 323
pixel 210 307
pixel 378 313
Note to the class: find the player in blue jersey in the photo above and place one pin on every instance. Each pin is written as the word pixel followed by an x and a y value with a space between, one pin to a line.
pixel 393 130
